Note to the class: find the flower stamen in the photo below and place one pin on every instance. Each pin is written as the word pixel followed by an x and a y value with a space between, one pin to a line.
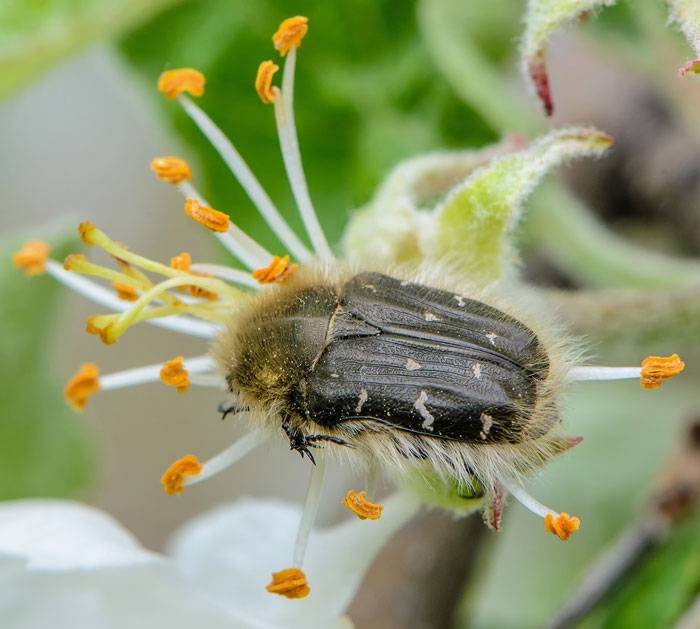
pixel 175 374
pixel 125 292
pixel 106 298
pixel 657 369
pixel 361 507
pixel 290 583
pixel 211 219
pixel 291 155
pixel 228 457
pixel 246 178
pixel 82 385
pixel 277 271
pixel 172 83
pixel 263 82
pixel 171 169
pixel 173 480
pixel 183 262
pixel 290 33
pixel 31 258
pixel 238 243
pixel 562 525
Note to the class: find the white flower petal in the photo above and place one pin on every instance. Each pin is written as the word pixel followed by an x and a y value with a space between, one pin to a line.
pixel 63 564
pixel 232 551
pixel 59 535
pixel 143 596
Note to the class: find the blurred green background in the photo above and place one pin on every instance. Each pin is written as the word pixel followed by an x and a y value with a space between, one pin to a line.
pixel 377 81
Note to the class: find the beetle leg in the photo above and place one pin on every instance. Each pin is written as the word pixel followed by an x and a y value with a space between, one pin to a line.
pixel 297 441
pixel 336 440
pixel 230 407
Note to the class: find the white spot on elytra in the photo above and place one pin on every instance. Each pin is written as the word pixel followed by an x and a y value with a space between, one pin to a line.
pixel 476 370
pixel 428 419
pixel 372 287
pixel 335 375
pixel 486 423
pixel 361 400
pixel 412 365
pixel 460 301
pixel 429 316
pixel 492 336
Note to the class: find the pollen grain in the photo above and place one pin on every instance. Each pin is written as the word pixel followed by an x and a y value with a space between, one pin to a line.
pixel 263 82
pixel 82 385
pixel 563 525
pixel 173 480
pixel 31 258
pixel 290 33
pixel 171 169
pixel 290 583
pixel 124 291
pixel 277 271
pixel 172 83
pixel 364 509
pixel 212 219
pixel 175 374
pixel 657 369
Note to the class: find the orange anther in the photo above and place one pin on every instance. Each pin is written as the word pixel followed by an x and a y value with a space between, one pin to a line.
pixel 290 583
pixel 182 263
pixel 174 82
pixel 175 374
pixel 290 33
pixel 563 525
pixel 173 480
pixel 263 82
pixel 278 270
pixel 361 507
pixel 657 369
pixel 31 258
pixel 171 169
pixel 125 291
pixel 97 326
pixel 210 218
pixel 82 385
pixel 86 230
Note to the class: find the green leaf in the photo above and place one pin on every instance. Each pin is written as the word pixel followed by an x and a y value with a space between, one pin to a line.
pixel 42 446
pixel 543 18
pixel 366 98
pixel 35 34
pixel 473 225
pixel 389 230
pixel 658 591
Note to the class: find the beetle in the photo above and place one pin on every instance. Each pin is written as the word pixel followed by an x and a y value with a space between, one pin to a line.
pixel 393 368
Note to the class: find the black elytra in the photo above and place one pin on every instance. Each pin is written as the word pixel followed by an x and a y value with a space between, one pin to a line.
pixel 409 356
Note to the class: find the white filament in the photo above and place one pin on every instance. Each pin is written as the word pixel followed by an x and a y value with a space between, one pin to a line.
pixel 226 273
pixel 225 459
pixel 236 241
pixel 291 155
pixel 604 373
pixel 527 500
pixel 104 297
pixel 313 498
pixel 246 178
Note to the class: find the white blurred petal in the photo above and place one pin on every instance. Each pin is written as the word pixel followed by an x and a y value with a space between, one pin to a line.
pixel 232 551
pixel 60 535
pixel 67 565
